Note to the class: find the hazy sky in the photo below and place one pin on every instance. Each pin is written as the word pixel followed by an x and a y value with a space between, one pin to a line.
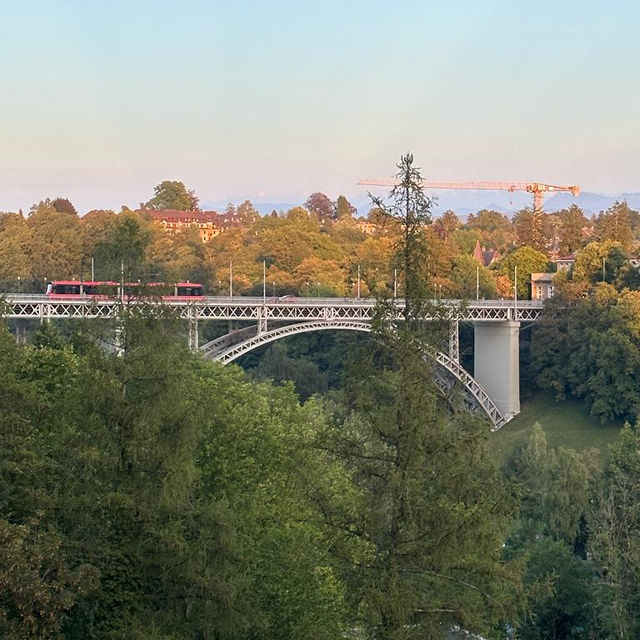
pixel 273 99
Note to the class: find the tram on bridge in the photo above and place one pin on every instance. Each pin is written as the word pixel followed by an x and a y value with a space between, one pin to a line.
pixel 103 290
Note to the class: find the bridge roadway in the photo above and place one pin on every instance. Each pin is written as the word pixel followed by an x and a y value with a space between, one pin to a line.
pixel 258 309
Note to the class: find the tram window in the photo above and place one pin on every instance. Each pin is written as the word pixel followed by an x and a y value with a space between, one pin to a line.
pixel 190 291
pixel 67 289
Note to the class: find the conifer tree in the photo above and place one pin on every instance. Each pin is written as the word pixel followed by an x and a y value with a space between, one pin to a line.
pixel 432 510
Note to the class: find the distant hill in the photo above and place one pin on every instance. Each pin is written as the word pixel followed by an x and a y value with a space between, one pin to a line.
pixel 590 202
pixel 464 202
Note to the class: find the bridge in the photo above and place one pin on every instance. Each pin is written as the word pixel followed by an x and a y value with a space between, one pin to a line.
pixel 494 385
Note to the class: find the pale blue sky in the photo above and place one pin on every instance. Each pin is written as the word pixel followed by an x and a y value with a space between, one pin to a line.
pixel 274 99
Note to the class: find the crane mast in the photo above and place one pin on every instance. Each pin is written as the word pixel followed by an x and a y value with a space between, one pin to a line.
pixel 538 189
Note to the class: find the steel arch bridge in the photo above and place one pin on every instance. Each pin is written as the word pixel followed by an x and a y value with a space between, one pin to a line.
pixel 225 350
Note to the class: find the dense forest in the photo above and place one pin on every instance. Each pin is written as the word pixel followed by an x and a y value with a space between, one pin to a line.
pixel 147 493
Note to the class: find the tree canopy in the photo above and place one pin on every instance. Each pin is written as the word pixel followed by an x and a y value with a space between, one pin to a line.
pixel 172 194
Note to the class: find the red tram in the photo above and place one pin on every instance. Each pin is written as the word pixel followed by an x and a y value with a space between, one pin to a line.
pixel 180 291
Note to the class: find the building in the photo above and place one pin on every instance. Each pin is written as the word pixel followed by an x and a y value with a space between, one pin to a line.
pixel 542 286
pixel 367 227
pixel 485 256
pixel 564 263
pixel 208 223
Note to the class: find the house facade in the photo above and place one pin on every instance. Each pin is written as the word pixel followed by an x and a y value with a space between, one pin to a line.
pixel 208 223
pixel 542 286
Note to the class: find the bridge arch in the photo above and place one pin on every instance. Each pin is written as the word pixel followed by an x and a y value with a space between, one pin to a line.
pixel 222 351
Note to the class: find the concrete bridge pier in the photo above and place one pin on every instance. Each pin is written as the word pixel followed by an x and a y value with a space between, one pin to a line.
pixel 497 363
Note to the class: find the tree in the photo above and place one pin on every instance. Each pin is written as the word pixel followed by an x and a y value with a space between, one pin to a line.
pixel 566 609
pixel 277 365
pixel 527 260
pixel 230 210
pixel 344 209
pixel 599 262
pixel 123 248
pixel 615 224
pixel 321 205
pixel 446 225
pixel 572 221
pixel 247 213
pixel 614 543
pixel 55 244
pixel 117 478
pixel 492 228
pixel 313 273
pixel 529 228
pixel 63 205
pixel 431 504
pixel 466 274
pixel 592 351
pixel 555 486
pixel 172 194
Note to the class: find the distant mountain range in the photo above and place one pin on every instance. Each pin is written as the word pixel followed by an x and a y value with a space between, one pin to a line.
pixel 464 202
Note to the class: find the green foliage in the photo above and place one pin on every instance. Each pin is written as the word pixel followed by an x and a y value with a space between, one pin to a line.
pixel 572 221
pixel 614 543
pixel 593 352
pixel 157 495
pixel 431 508
pixel 615 224
pixel 172 194
pixel 122 248
pixel 528 260
pixel 566 610
pixel 276 365
pixel 344 209
pixel 555 486
pixel 466 274
pixel 600 262
pixel 529 229
pixel 491 228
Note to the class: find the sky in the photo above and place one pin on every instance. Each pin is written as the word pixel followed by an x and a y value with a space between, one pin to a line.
pixel 273 100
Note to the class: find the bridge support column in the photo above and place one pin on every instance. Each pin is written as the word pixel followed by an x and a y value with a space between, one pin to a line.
pixel 497 363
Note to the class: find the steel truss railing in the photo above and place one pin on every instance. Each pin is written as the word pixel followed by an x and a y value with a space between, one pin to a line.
pixel 250 338
pixel 261 310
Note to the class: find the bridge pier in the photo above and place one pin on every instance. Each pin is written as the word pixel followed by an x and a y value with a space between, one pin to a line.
pixel 497 363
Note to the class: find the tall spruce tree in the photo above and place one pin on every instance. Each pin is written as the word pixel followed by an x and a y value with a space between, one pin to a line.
pixel 432 509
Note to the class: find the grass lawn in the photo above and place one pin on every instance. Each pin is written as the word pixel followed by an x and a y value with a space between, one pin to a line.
pixel 565 423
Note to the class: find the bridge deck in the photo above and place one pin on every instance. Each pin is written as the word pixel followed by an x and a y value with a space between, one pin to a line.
pixel 253 308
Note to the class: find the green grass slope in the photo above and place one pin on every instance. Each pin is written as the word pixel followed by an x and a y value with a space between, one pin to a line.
pixel 565 423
